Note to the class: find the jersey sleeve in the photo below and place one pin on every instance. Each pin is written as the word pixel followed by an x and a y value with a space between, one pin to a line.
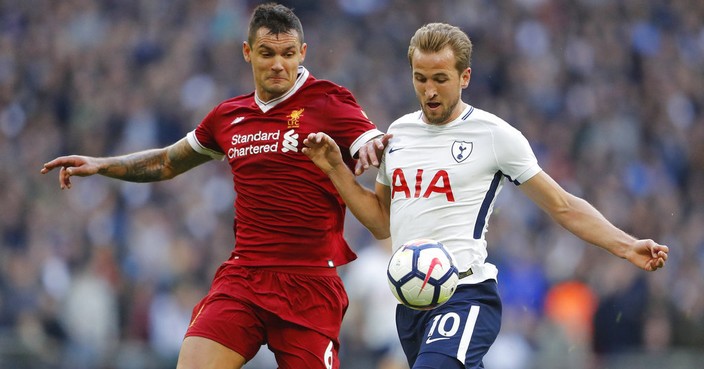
pixel 361 140
pixel 381 176
pixel 352 128
pixel 514 155
pixel 192 138
pixel 202 138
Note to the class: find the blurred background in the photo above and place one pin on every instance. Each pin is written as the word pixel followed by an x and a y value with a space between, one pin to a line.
pixel 104 276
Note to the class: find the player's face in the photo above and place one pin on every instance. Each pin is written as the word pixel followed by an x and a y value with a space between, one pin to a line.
pixel 275 60
pixel 438 85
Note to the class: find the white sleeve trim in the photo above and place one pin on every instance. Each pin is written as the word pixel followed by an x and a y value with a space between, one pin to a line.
pixel 193 140
pixel 362 139
pixel 528 174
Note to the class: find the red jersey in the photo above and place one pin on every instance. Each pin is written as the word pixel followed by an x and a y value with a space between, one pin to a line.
pixel 287 211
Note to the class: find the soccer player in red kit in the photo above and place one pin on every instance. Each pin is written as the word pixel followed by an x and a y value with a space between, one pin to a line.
pixel 280 286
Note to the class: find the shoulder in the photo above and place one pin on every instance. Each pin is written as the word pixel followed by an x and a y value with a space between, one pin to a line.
pixel 231 104
pixel 489 119
pixel 495 124
pixel 332 99
pixel 313 84
pixel 414 118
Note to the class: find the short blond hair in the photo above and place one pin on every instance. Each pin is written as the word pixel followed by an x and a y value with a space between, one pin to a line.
pixel 433 37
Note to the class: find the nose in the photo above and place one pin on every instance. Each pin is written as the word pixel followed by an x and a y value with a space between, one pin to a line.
pixel 278 64
pixel 430 91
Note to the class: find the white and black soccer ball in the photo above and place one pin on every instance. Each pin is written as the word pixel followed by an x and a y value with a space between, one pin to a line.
pixel 422 274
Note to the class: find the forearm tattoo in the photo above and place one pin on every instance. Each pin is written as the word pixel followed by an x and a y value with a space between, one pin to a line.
pixel 154 165
pixel 145 166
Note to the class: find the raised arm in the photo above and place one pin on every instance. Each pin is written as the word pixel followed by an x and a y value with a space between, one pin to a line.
pixel 370 208
pixel 583 220
pixel 143 166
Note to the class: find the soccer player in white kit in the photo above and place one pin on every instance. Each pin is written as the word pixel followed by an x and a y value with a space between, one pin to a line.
pixel 442 168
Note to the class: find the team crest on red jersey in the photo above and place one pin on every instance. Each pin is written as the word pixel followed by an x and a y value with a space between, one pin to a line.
pixel 461 150
pixel 294 117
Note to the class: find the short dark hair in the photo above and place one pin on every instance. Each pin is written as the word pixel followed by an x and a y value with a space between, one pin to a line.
pixel 275 17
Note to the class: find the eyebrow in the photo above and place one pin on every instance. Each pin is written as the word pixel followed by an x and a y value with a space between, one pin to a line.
pixel 440 74
pixel 269 48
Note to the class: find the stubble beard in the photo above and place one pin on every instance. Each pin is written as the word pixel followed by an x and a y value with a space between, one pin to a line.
pixel 444 116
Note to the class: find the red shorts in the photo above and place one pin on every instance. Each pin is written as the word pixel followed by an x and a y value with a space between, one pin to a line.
pixel 297 312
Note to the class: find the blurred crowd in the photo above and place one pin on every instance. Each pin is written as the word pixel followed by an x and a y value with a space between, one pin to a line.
pixel 610 93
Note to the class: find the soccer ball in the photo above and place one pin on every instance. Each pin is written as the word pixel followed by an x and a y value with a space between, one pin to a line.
pixel 422 274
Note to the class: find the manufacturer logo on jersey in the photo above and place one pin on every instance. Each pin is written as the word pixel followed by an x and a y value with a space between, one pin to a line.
pixel 294 117
pixel 394 149
pixel 461 150
pixel 237 120
pixel 431 340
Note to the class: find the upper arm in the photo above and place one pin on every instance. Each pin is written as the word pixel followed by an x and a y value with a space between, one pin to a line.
pixel 383 193
pixel 546 193
pixel 352 128
pixel 382 229
pixel 182 157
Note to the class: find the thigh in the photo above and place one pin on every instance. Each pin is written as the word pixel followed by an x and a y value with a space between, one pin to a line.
pixel 297 315
pixel 463 328
pixel 305 333
pixel 298 347
pixel 203 353
pixel 232 323
pixel 433 360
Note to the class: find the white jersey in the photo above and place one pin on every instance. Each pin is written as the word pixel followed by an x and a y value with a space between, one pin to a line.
pixel 444 180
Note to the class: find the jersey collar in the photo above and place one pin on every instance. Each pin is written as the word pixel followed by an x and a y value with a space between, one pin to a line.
pixel 268 105
pixel 462 117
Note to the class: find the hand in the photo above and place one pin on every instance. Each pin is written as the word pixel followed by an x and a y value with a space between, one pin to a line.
pixel 371 152
pixel 648 255
pixel 323 151
pixel 74 165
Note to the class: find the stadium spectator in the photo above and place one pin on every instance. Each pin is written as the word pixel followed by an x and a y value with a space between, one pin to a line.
pixel 616 123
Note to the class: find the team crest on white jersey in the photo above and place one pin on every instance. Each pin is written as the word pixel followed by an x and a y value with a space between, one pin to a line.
pixel 461 150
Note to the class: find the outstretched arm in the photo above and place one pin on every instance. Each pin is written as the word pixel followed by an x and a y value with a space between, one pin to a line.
pixel 144 166
pixel 582 219
pixel 370 208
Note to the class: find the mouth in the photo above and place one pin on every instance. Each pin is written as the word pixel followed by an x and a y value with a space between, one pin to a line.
pixel 277 79
pixel 432 105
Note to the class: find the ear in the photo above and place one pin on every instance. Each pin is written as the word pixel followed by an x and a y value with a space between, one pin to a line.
pixel 246 52
pixel 465 77
pixel 304 47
